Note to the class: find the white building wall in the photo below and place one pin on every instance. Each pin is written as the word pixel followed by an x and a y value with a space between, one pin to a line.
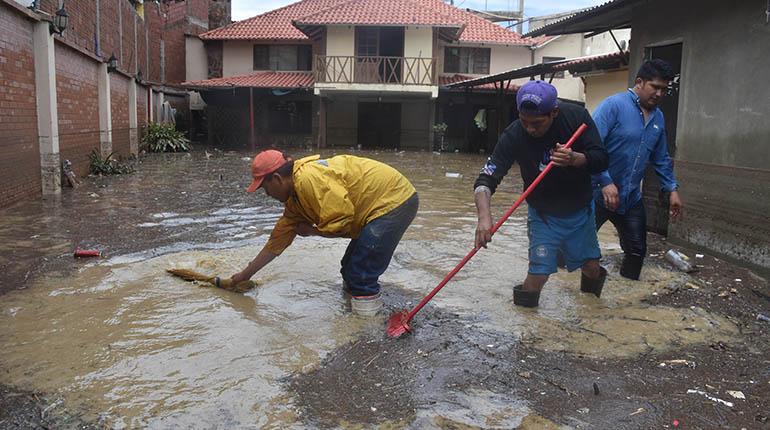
pixel 566 46
pixel 603 43
pixel 600 87
pixel 418 42
pixel 196 62
pixel 340 41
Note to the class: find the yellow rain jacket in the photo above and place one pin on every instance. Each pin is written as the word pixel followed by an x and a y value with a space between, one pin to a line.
pixel 339 196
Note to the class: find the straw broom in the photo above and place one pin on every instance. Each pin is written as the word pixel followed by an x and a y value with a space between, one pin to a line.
pixel 213 281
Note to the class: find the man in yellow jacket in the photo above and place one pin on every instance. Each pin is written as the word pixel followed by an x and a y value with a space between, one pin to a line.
pixel 342 196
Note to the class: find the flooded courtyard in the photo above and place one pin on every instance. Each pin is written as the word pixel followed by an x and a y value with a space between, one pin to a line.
pixel 118 343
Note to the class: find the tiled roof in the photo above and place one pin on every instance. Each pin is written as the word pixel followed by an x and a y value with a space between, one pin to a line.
pixel 258 80
pixel 594 59
pixel 273 25
pixel 380 12
pixel 277 24
pixel 443 81
pixel 478 30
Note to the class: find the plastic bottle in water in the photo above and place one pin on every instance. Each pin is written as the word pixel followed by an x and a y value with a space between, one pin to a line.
pixel 679 260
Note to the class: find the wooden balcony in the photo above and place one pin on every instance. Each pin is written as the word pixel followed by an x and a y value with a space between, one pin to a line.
pixel 375 70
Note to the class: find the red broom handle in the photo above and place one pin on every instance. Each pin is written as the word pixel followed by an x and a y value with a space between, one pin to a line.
pixel 505 216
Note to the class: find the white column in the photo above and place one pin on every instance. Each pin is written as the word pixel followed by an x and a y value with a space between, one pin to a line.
pixel 159 107
pixel 105 113
pixel 133 125
pixel 47 112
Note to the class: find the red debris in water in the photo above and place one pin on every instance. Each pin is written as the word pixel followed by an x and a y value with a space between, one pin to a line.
pixel 83 253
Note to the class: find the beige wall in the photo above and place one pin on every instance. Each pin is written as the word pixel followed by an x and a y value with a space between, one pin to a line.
pixel 600 87
pixel 340 41
pixel 603 43
pixel 418 42
pixel 196 62
pixel 567 46
pixel 237 58
pixel 504 58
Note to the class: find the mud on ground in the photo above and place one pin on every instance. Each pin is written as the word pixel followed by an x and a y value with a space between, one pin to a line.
pixel 449 354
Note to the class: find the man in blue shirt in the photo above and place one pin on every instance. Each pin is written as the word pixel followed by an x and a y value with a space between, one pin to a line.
pixel 634 133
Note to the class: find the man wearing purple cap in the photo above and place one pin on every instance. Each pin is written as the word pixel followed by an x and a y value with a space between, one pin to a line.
pixel 561 209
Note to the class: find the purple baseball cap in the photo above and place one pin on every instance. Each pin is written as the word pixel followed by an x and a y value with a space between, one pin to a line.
pixel 536 98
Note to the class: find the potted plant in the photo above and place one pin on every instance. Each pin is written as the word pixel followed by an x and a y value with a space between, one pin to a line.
pixel 439 131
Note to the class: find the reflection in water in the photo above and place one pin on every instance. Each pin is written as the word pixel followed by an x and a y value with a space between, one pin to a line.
pixel 132 346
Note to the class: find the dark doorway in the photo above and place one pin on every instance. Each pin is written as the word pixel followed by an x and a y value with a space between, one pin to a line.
pixel 656 201
pixel 379 54
pixel 379 125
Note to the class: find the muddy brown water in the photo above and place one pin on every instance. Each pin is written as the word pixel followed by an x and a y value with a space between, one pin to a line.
pixel 126 346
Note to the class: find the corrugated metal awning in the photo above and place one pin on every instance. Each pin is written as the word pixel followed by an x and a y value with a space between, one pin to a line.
pixel 612 15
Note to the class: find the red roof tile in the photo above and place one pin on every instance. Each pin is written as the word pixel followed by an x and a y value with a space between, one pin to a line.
pixel 594 59
pixel 277 24
pixel 273 25
pixel 258 80
pixel 380 12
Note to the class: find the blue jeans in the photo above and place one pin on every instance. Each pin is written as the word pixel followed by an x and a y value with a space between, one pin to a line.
pixel 369 255
pixel 631 227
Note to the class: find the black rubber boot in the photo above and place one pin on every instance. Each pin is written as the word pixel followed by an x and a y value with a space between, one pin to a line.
pixel 528 299
pixel 631 267
pixel 593 286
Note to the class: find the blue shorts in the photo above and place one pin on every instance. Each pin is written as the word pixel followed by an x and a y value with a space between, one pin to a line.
pixel 574 235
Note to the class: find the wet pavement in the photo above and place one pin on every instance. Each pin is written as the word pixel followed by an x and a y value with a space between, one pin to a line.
pixel 117 343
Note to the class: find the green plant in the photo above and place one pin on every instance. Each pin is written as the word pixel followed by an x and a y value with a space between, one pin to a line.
pixel 108 165
pixel 440 128
pixel 164 137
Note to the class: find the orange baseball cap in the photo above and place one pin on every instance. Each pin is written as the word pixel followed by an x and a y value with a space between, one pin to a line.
pixel 265 163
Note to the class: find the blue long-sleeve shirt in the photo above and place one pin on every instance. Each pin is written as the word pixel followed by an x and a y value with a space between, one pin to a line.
pixel 632 144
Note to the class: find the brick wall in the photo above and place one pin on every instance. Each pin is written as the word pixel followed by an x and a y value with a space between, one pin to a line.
pixel 176 12
pixel 128 56
pixel 82 21
pixel 119 100
pixel 199 9
pixel 19 151
pixel 93 34
pixel 153 17
pixel 78 104
pixel 141 46
pixel 174 39
pixel 109 36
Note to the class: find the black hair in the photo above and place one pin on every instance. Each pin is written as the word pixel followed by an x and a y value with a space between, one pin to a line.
pixel 285 170
pixel 655 69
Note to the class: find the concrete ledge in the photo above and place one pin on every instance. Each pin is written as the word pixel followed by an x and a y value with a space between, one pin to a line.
pixel 726 211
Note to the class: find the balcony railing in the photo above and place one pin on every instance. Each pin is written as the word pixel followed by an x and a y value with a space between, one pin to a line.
pixel 375 70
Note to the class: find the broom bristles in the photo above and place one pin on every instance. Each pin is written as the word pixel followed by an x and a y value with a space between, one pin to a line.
pixel 190 275
pixel 225 284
